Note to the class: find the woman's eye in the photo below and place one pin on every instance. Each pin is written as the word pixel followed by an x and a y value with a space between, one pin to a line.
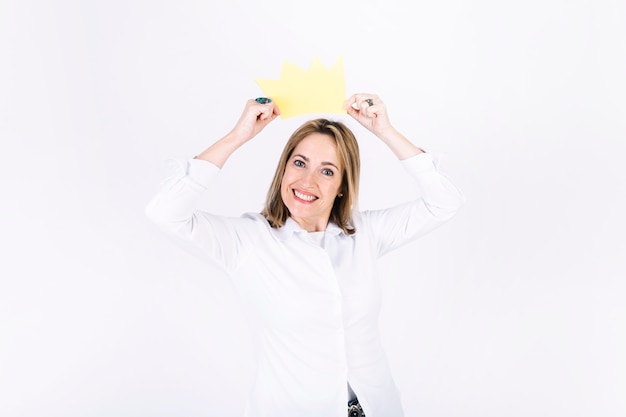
pixel 328 172
pixel 298 163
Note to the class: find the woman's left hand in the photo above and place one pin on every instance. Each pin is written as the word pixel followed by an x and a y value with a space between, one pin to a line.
pixel 370 111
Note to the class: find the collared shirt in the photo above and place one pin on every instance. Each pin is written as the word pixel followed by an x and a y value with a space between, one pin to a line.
pixel 314 306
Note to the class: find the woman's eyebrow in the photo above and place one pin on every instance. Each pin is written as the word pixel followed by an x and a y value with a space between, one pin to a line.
pixel 307 160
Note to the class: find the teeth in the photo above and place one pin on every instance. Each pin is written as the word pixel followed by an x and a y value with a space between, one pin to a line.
pixel 304 196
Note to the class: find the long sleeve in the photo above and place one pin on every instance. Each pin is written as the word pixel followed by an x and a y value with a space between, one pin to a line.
pixel 439 200
pixel 179 194
pixel 176 209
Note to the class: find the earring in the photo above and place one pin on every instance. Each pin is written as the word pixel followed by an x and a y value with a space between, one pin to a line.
pixel 340 195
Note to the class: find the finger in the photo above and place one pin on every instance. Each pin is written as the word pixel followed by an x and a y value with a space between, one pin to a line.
pixel 350 102
pixel 265 113
pixel 357 113
pixel 262 111
pixel 356 99
pixel 369 100
pixel 271 112
pixel 266 108
pixel 352 111
pixel 365 113
pixel 276 110
pixel 359 100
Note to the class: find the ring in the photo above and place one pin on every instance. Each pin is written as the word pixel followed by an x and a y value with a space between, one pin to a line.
pixel 369 101
pixel 263 100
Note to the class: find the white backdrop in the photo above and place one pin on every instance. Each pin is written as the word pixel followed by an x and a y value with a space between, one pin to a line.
pixel 514 308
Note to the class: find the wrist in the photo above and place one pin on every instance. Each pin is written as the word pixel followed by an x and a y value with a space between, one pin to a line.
pixel 236 138
pixel 388 134
pixel 402 147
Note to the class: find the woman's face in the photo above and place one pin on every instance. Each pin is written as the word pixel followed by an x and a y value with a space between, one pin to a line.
pixel 312 181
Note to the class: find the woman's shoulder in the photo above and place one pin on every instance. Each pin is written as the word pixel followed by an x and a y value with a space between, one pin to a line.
pixel 256 218
pixel 247 224
pixel 258 222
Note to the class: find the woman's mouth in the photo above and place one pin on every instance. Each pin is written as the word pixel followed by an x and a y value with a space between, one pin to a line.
pixel 304 196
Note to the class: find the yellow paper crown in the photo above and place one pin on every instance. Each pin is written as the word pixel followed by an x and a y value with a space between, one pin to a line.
pixel 318 90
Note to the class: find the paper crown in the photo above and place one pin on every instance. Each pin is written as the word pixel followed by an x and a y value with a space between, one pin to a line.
pixel 297 92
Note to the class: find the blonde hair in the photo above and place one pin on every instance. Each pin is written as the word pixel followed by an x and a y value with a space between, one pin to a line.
pixel 275 210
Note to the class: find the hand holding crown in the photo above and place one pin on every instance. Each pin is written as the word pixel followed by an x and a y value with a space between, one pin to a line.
pixel 370 111
pixel 256 115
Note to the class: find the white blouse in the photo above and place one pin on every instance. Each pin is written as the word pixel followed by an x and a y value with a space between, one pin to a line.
pixel 314 306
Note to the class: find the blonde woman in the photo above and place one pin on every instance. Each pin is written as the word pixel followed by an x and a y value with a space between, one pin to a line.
pixel 306 265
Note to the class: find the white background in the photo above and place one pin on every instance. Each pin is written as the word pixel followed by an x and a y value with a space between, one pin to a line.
pixel 514 308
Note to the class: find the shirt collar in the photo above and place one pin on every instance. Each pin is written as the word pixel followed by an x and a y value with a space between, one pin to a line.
pixel 291 227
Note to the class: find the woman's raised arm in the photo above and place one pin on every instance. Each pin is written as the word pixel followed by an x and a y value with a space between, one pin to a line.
pixel 255 116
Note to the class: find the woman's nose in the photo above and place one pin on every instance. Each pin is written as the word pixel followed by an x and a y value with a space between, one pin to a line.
pixel 308 177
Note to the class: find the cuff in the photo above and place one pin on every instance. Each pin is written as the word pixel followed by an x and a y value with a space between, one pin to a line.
pixel 196 171
pixel 421 162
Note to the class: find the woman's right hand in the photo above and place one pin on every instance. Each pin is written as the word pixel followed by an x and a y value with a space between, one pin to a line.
pixel 254 118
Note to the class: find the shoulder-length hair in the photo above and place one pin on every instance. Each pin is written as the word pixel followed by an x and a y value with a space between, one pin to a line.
pixel 275 210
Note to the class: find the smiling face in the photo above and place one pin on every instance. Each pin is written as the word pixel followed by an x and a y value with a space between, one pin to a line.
pixel 312 181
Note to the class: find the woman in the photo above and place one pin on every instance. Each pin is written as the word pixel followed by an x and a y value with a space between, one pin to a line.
pixel 306 265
